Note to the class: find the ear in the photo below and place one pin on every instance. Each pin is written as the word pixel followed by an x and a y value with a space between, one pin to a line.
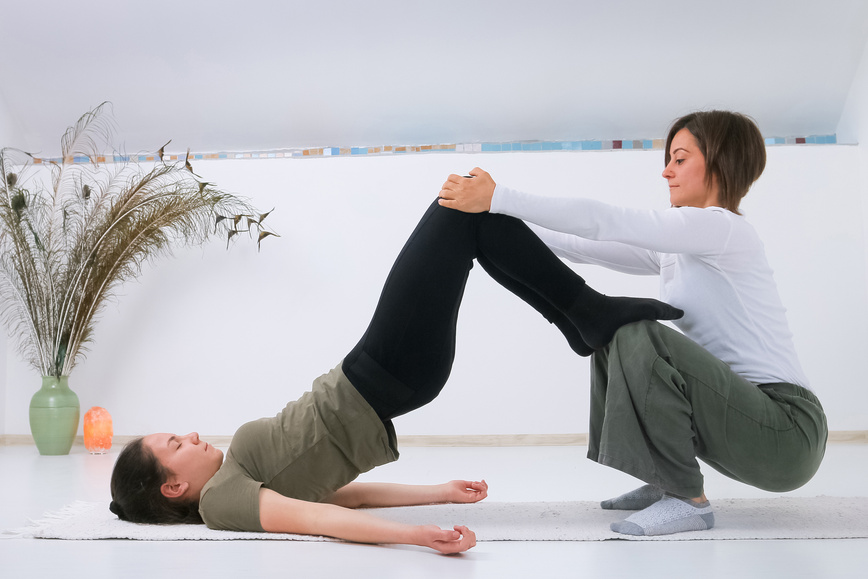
pixel 174 490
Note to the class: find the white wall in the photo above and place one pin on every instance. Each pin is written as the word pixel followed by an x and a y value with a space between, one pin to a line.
pixel 3 355
pixel 853 128
pixel 8 127
pixel 212 338
pixel 8 138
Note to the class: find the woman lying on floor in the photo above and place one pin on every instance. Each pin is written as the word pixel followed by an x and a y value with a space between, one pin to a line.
pixel 293 473
pixel 730 390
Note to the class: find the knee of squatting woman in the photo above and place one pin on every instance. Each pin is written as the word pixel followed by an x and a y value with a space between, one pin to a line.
pixel 730 389
pixel 294 472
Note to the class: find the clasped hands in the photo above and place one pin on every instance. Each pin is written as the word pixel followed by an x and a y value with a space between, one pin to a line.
pixel 469 194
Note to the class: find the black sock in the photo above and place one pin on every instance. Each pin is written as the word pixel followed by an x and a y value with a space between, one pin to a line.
pixel 573 336
pixel 598 316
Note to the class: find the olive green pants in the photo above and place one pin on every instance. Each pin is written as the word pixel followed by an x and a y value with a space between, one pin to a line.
pixel 659 401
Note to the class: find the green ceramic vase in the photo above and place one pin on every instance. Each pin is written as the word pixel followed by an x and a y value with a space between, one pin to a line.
pixel 54 413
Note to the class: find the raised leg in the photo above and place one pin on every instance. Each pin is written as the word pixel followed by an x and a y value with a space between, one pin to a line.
pixel 406 354
pixel 508 245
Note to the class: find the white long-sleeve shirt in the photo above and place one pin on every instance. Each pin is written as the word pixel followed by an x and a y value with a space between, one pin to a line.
pixel 711 264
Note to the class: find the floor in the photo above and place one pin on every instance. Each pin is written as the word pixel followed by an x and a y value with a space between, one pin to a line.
pixel 31 485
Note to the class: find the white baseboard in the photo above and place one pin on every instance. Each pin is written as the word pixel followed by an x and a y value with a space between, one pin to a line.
pixel 458 440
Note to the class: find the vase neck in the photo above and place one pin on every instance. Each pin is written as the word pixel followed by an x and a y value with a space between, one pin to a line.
pixel 55 381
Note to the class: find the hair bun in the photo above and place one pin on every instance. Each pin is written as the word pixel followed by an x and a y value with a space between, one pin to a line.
pixel 116 509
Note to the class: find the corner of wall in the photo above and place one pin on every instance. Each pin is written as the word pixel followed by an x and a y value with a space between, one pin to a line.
pixel 853 130
pixel 853 123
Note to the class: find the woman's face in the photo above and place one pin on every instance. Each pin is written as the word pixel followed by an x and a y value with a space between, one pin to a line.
pixel 686 174
pixel 191 461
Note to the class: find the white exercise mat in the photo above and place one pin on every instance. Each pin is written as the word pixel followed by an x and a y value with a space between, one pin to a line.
pixel 772 518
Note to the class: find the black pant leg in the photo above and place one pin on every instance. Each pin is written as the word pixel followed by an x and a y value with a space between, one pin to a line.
pixel 405 356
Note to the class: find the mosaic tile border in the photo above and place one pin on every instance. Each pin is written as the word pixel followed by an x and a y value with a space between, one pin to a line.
pixel 510 147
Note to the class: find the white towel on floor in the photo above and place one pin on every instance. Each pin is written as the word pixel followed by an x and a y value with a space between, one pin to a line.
pixel 772 518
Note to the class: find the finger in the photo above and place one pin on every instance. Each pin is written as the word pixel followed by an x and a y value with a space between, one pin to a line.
pixel 476 172
pixel 468 535
pixel 447 536
pixel 479 486
pixel 449 191
pixel 464 540
pixel 447 186
pixel 452 182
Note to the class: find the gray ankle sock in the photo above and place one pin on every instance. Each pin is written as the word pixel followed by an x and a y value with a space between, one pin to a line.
pixel 666 516
pixel 635 500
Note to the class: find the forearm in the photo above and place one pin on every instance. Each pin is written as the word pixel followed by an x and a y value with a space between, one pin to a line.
pixel 279 514
pixel 609 254
pixel 361 527
pixel 358 495
pixel 684 230
pixel 580 216
pixel 282 514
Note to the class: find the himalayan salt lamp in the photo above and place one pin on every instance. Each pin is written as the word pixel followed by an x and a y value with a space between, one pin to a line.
pixel 98 430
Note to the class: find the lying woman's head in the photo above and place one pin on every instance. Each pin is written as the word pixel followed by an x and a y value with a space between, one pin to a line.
pixel 158 478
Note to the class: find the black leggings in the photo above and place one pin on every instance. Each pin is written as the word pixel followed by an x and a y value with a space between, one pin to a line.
pixel 405 356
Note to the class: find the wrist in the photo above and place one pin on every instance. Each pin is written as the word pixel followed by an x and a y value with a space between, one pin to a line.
pixel 493 198
pixel 417 535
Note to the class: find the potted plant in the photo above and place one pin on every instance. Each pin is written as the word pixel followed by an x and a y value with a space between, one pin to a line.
pixel 72 234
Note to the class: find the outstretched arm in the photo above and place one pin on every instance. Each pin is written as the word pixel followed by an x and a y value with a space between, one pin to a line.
pixel 357 494
pixel 280 514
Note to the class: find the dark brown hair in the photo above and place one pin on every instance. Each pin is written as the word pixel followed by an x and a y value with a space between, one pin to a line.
pixel 733 147
pixel 136 495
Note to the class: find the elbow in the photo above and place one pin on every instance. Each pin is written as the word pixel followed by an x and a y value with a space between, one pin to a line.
pixel 351 496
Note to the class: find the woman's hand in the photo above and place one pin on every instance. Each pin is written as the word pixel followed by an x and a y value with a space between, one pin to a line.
pixel 447 542
pixel 463 491
pixel 470 195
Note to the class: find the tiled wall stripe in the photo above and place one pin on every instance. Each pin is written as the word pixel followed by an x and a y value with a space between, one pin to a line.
pixel 517 146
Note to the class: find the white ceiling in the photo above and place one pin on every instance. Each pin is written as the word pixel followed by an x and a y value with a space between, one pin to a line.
pixel 219 75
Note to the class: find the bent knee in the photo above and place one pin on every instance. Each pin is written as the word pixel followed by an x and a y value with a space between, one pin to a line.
pixel 635 331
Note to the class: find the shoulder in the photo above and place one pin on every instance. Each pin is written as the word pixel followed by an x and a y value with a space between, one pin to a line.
pixel 710 218
pixel 704 213
pixel 230 500
pixel 713 221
